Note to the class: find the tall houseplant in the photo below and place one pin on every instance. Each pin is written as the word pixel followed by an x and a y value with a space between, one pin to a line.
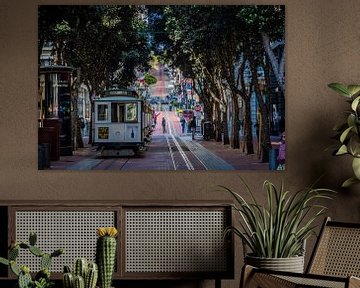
pixel 279 229
pixel 349 132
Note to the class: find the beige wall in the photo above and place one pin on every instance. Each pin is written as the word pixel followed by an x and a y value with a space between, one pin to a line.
pixel 322 46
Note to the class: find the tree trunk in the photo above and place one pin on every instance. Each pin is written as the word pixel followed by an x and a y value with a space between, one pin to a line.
pixel 248 129
pixel 278 66
pixel 217 122
pixel 265 144
pixel 235 143
pixel 92 115
pixel 226 139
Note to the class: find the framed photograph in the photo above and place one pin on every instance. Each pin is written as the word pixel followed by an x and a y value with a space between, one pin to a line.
pixel 161 87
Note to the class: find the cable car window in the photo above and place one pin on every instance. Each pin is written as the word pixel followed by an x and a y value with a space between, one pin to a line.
pixel 102 112
pixel 131 112
pixel 117 112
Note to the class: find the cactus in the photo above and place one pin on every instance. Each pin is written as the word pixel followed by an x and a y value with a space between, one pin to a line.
pixel 57 253
pixel 24 280
pixel 79 282
pixel 13 253
pixel 80 267
pixel 42 278
pixel 91 276
pixel 32 238
pixel 68 280
pixel 84 274
pixel 45 261
pixel 36 251
pixel 44 274
pixel 14 268
pixel 67 269
pixel 106 254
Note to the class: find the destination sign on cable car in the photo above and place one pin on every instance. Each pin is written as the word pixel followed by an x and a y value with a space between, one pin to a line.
pixel 120 92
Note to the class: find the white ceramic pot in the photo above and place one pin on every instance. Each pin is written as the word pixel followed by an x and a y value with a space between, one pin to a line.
pixel 291 264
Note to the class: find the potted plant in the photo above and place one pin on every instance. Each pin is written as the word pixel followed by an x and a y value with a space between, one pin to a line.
pixel 84 274
pixel 275 234
pixel 42 278
pixel 349 132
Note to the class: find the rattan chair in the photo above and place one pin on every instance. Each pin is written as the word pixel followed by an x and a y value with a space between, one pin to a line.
pixel 335 262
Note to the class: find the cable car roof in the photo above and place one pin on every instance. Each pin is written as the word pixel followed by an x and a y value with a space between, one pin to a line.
pixel 118 99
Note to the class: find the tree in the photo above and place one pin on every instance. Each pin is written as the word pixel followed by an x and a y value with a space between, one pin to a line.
pixel 104 43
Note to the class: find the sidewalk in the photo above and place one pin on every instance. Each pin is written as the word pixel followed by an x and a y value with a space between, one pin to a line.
pixel 235 157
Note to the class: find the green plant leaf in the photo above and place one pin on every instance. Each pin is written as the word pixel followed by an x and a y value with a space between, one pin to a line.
pixel 355 103
pixel 351 120
pixel 356 167
pixel 349 182
pixel 340 88
pixel 345 134
pixel 4 261
pixel 353 89
pixel 342 150
pixel 354 145
pixel 280 228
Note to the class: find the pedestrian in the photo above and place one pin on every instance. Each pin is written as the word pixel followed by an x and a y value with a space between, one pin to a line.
pixel 163 123
pixel 183 124
pixel 281 155
pixel 155 116
pixel 192 125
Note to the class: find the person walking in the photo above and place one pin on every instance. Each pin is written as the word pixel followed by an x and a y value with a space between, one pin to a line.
pixel 155 116
pixel 281 156
pixel 183 124
pixel 193 127
pixel 163 123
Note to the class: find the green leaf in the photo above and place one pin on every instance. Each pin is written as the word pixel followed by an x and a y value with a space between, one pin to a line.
pixel 354 145
pixel 355 103
pixel 342 150
pixel 345 134
pixel 353 89
pixel 351 120
pixel 4 261
pixel 340 88
pixel 356 167
pixel 14 268
pixel 349 182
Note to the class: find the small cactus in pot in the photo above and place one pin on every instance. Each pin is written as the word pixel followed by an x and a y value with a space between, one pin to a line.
pixel 106 254
pixel 85 275
pixel 42 278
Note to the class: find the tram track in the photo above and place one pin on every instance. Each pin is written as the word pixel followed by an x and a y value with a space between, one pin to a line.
pixel 190 160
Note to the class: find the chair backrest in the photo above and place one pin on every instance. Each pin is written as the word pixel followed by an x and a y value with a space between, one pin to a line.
pixel 337 251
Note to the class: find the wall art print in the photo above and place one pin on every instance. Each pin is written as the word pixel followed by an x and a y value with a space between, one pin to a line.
pixel 178 87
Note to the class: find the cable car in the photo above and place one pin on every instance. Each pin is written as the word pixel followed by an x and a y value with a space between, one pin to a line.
pixel 122 123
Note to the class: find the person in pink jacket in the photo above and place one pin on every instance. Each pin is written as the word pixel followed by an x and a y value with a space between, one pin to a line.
pixel 281 155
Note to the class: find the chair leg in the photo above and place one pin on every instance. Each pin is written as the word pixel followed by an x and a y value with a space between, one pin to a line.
pixel 354 282
pixel 250 278
pixel 246 274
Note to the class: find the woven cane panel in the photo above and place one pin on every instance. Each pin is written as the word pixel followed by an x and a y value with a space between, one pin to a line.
pixel 175 241
pixel 339 253
pixel 74 231
pixel 311 282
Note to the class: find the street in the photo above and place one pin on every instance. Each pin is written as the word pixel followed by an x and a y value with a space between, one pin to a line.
pixel 167 151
